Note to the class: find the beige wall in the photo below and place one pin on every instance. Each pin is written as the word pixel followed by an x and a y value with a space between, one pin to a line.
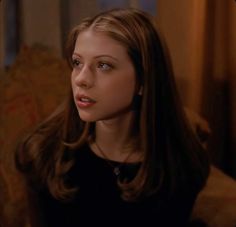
pixel 41 23
pixel 232 56
pixel 201 36
pixel 179 21
pixel 81 9
pixel 1 34
pixel 232 70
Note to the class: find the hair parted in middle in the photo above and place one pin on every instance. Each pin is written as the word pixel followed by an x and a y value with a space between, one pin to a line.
pixel 171 151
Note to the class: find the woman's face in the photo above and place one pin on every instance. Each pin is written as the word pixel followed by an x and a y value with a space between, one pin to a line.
pixel 103 77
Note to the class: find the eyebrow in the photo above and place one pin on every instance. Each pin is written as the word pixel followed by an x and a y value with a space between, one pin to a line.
pixel 106 55
pixel 99 56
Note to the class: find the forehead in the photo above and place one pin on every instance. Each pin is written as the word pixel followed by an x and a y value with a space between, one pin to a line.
pixel 98 42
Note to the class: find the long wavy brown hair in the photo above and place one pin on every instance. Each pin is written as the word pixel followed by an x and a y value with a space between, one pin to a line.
pixel 173 157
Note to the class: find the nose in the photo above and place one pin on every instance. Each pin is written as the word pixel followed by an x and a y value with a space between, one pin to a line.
pixel 84 78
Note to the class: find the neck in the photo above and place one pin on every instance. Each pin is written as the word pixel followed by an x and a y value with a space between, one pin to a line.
pixel 114 136
pixel 115 133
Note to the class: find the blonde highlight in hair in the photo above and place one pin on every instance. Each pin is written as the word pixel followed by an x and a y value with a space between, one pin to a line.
pixel 172 156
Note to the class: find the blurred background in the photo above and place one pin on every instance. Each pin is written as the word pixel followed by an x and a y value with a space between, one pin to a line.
pixel 201 37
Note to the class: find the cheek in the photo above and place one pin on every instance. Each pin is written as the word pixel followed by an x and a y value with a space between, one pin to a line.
pixel 72 83
pixel 121 94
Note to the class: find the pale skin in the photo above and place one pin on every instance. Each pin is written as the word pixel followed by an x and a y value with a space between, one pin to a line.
pixel 103 84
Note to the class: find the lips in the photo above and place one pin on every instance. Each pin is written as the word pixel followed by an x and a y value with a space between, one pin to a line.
pixel 83 101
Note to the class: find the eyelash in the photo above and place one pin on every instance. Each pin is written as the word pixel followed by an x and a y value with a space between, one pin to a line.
pixel 104 66
pixel 107 66
pixel 75 63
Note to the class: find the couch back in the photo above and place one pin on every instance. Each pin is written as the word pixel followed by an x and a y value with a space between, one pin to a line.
pixel 29 91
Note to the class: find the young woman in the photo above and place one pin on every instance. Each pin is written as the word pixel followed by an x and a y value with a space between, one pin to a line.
pixel 120 152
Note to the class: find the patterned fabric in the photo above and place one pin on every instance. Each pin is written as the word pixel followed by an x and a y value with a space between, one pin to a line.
pixel 216 204
pixel 29 91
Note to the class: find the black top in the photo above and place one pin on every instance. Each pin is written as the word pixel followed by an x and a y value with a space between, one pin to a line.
pixel 98 201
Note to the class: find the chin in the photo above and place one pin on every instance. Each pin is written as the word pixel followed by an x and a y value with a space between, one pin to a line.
pixel 87 118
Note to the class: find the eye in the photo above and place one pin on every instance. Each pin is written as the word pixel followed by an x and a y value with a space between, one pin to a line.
pixel 76 63
pixel 105 66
